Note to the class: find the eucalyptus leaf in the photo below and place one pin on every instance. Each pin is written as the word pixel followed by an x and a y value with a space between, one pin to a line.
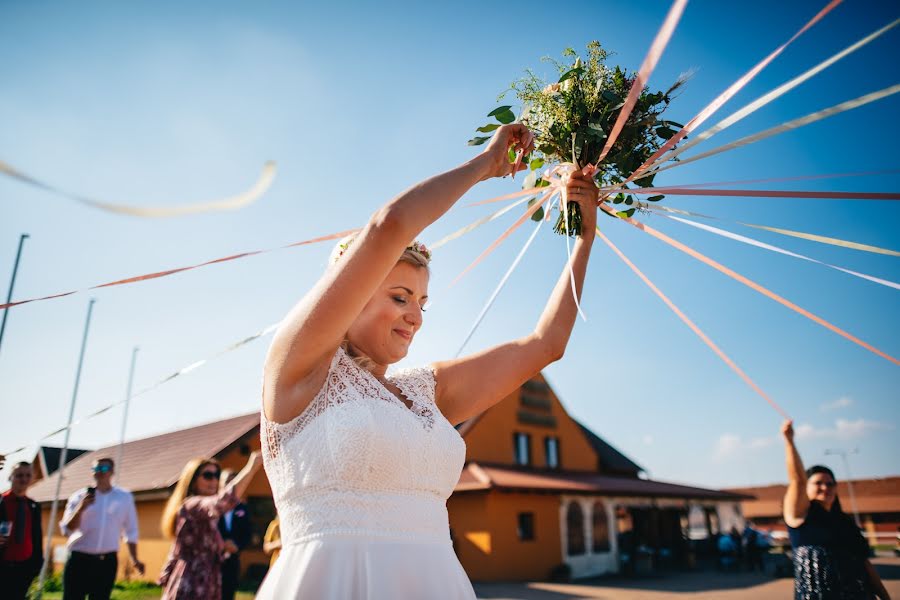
pixel 664 132
pixel 570 74
pixel 655 198
pixel 625 213
pixel 536 163
pixel 506 117
pixel 645 182
pixel 611 97
pixel 488 128
pixel 498 110
pixel 618 198
pixel 477 141
pixel 538 215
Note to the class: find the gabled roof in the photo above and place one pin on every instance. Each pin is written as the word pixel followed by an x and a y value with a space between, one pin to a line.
pixel 152 463
pixel 483 477
pixel 49 456
pixel 610 458
pixel 872 496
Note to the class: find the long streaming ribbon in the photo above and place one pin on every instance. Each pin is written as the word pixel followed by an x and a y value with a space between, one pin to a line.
pixel 812 237
pixel 722 98
pixel 774 94
pixel 231 203
pixel 564 203
pixel 786 126
pixel 750 283
pixel 752 242
pixel 475 225
pixel 765 193
pixel 183 371
pixel 637 87
pixel 687 321
pixel 500 286
pixel 606 190
pixel 531 210
pixel 781 179
pixel 147 276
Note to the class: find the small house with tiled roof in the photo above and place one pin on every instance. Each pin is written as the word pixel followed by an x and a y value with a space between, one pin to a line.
pixel 542 494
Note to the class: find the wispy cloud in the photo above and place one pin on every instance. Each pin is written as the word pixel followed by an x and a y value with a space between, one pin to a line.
pixel 844 429
pixel 729 445
pixel 842 402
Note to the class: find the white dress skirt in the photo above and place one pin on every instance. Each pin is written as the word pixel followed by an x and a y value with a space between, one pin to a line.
pixel 361 483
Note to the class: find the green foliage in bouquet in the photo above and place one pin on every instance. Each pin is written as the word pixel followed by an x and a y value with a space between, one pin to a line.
pixel 572 118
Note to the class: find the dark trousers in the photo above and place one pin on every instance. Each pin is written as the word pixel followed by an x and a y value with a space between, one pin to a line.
pixel 91 575
pixel 15 579
pixel 231 574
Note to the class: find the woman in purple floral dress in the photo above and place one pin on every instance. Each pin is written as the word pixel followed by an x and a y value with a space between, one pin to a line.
pixel 193 568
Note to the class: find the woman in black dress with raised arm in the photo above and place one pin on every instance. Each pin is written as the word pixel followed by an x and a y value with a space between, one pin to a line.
pixel 830 555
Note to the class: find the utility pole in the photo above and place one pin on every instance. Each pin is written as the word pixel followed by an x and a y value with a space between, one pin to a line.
pixel 12 284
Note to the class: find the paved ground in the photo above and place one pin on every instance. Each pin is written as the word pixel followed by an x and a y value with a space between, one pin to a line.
pixel 704 585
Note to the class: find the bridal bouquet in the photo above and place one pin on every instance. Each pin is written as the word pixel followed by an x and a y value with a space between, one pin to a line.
pixel 572 118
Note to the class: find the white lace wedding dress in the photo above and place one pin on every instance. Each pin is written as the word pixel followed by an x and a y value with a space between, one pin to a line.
pixel 361 483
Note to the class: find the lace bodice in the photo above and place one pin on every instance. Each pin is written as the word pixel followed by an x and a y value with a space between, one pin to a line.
pixel 358 461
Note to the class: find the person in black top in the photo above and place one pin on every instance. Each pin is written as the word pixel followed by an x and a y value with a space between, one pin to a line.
pixel 236 529
pixel 830 555
pixel 21 553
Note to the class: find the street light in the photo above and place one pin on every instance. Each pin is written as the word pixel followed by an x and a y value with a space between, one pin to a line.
pixel 843 455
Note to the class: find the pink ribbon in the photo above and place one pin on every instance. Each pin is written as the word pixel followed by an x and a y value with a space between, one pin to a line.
pixel 721 354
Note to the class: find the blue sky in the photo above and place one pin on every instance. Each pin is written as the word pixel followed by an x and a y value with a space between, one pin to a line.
pixel 166 103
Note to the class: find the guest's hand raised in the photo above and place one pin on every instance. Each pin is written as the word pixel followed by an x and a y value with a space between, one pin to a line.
pixel 515 136
pixel 787 430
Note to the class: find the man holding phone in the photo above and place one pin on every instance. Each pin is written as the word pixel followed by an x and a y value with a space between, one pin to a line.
pixel 96 518
pixel 21 553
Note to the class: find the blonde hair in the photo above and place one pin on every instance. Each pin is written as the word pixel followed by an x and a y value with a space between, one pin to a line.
pixel 183 490
pixel 415 254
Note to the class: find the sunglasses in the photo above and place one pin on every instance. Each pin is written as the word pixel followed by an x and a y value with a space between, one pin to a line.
pixel 209 475
pixel 101 468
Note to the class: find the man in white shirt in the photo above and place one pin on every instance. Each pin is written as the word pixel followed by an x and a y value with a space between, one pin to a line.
pixel 95 520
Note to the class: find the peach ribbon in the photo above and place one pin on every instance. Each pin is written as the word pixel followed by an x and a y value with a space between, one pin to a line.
pixel 812 237
pixel 147 276
pixel 751 284
pixel 687 321
pixel 733 89
pixel 637 87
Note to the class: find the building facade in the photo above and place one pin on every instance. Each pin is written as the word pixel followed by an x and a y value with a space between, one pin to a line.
pixel 540 496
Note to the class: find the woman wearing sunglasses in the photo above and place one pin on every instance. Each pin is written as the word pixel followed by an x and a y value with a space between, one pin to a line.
pixel 193 568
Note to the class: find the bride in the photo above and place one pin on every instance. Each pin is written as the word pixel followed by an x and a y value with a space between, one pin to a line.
pixel 361 463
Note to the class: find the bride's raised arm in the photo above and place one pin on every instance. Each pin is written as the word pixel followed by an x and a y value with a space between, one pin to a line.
pixel 468 386
pixel 301 351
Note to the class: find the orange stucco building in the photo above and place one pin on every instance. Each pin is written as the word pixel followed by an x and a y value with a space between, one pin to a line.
pixel 540 495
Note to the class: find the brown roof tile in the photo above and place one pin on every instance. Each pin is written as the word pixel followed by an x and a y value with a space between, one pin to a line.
pixel 482 476
pixel 152 463
pixel 872 496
